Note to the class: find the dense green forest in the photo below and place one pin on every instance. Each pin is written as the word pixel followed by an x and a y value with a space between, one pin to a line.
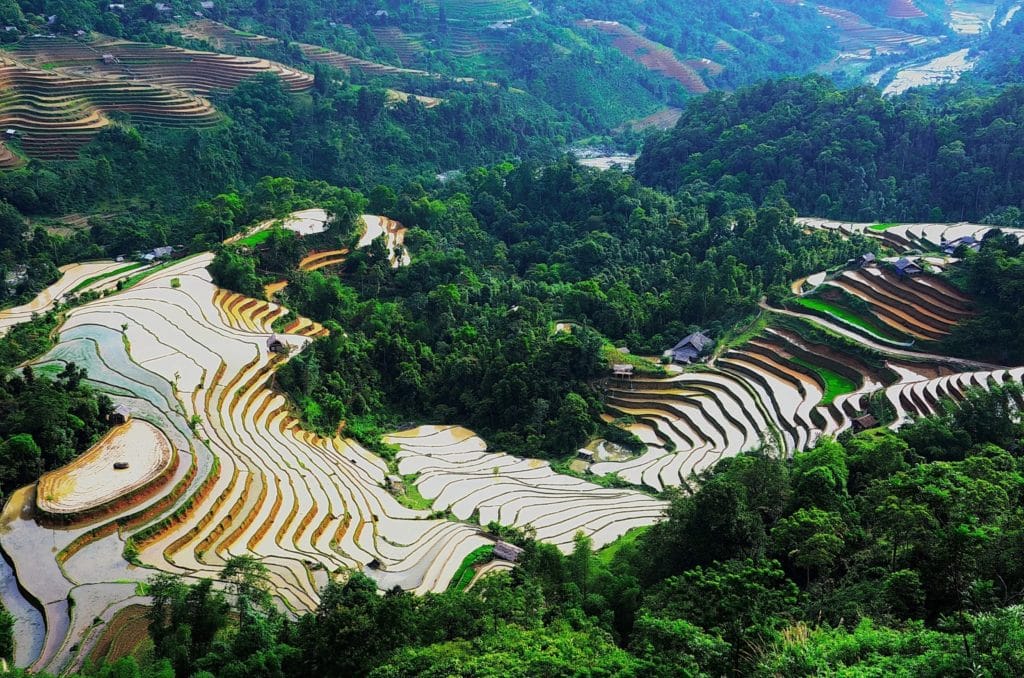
pixel 995 278
pixel 1002 55
pixel 850 154
pixel 465 333
pixel 45 421
pixel 883 554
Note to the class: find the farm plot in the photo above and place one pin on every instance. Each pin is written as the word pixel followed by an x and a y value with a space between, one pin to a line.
pixel 904 9
pixel 9 159
pixel 302 222
pixel 56 114
pixel 408 49
pixel 346 63
pixel 455 470
pixel 197 72
pixel 482 11
pixel 782 390
pixel 855 31
pixel 94 479
pixel 220 35
pixel 194 361
pixel 902 237
pixel 654 56
pixel 83 277
pixel 908 305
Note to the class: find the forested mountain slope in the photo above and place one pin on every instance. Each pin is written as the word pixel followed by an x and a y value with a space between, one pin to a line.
pixel 850 153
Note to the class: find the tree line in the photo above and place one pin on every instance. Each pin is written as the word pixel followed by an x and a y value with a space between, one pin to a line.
pixel 950 155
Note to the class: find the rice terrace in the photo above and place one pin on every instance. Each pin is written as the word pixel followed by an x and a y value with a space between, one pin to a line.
pixel 209 461
pixel 467 338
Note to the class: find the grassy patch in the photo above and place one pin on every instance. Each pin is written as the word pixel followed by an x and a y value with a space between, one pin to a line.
pixel 412 498
pixel 89 281
pixel 846 315
pixel 257 238
pixel 611 357
pixel 835 383
pixel 29 339
pixel 742 332
pixel 466 570
pixel 608 553
pixel 49 370
pixel 881 227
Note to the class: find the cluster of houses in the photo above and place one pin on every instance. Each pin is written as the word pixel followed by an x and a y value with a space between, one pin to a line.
pixel 156 254
pixel 903 265
pixel 687 351
pixel 165 9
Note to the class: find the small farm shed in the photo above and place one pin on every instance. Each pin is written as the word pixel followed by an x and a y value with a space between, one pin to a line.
pixel 968 241
pixel 121 414
pixel 622 370
pixel 395 484
pixel 689 348
pixel 866 259
pixel 907 267
pixel 864 423
pixel 158 253
pixel 585 454
pixel 275 345
pixel 506 551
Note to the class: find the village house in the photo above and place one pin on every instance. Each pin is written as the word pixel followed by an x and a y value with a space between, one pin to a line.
pixel 158 253
pixel 275 345
pixel 505 551
pixel 689 349
pixel 906 267
pixel 968 241
pixel 866 259
pixel 864 422
pixel 121 414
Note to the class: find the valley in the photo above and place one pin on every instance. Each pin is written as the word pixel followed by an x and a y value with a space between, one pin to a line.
pixel 238 473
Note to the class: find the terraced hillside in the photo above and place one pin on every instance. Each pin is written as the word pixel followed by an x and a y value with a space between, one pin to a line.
pixel 197 72
pixel 94 276
pixel 814 369
pixel 56 114
pixel 222 467
pixel 221 36
pixel 195 363
pixel 406 47
pixel 901 237
pixel 855 31
pixel 346 63
pixel 229 39
pixel 482 11
pixel 654 56
pixel 904 9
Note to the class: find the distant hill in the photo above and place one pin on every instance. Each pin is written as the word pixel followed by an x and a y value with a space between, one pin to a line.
pixel 849 154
